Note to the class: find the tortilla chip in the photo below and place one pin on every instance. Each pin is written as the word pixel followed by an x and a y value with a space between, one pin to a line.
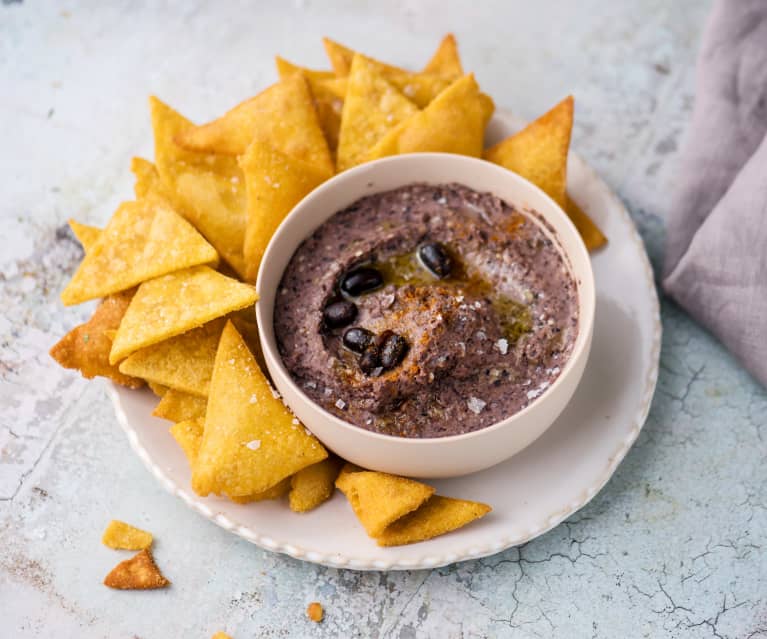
pixel 283 116
pixel 175 303
pixel 86 347
pixel 439 515
pixel 329 108
pixel 275 492
pixel 453 123
pixel 315 612
pixel 122 536
pixel 184 362
pixel 275 183
pixel 446 60
pixel 421 88
pixel 205 188
pixel 593 238
pixel 178 406
pixel 342 59
pixel 539 151
pixel 188 435
pixel 157 389
pixel 286 69
pixel 86 235
pixel 148 182
pixel 221 635
pixel 379 499
pixel 137 573
pixel 143 240
pixel 314 484
pixel 251 440
pixel 373 107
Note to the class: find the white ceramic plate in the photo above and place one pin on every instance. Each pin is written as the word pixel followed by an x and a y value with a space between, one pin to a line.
pixel 530 493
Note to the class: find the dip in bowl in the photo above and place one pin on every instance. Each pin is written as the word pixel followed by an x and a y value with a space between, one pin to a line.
pixel 427 315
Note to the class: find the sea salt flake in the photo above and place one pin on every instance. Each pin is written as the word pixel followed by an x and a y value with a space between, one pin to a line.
pixel 253 399
pixel 480 335
pixel 442 200
pixel 328 392
pixel 476 405
pixel 340 404
pixel 502 345
pixel 254 445
pixel 311 385
pixel 295 421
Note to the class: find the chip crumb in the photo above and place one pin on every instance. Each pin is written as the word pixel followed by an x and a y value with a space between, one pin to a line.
pixel 221 635
pixel 122 536
pixel 315 612
pixel 137 573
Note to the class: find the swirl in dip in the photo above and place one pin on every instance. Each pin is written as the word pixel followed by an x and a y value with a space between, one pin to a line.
pixel 467 311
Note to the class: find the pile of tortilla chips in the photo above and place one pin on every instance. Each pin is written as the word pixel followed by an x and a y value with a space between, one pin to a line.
pixel 174 266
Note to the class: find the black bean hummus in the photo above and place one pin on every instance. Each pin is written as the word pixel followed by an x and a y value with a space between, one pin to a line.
pixel 426 311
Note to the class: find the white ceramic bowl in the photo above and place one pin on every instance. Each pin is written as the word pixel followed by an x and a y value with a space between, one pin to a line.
pixel 444 456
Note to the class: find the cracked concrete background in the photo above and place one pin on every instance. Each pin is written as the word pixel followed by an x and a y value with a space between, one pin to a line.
pixel 674 546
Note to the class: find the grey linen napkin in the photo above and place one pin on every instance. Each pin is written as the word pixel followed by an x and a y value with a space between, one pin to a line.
pixel 716 241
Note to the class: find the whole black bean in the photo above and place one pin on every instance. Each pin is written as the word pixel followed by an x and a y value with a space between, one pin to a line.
pixel 357 339
pixel 370 362
pixel 436 258
pixel 339 313
pixel 361 280
pixel 392 348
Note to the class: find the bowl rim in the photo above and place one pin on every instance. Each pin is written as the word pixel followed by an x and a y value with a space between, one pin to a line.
pixel 585 320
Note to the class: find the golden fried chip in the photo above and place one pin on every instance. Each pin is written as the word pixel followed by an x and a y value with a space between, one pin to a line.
pixel 539 151
pixel 221 635
pixel 373 107
pixel 342 59
pixel 157 389
pixel 251 440
pixel 188 435
pixel 275 183
pixel 286 69
pixel 178 406
pixel 86 235
pixel 283 116
pixel 275 492
pixel 446 60
pixel 593 238
pixel 148 181
pixel 206 188
pixel 137 573
pixel 379 499
pixel 315 612
pixel 86 347
pixel 453 123
pixel 439 515
pixel 184 362
pixel 175 303
pixel 144 239
pixel 122 536
pixel 314 484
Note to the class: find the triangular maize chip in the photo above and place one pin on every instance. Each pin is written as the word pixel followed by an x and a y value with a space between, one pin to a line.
pixel 341 59
pixel 373 107
pixel 137 573
pixel 593 238
pixel 221 635
pixel 283 116
pixel 314 484
pixel 173 304
pixel 148 181
pixel 280 489
pixel 286 69
pixel 188 435
pixel 251 440
pixel 539 151
pixel 439 515
pixel 157 389
pixel 184 362
pixel 178 406
pixel 453 123
pixel 275 183
pixel 86 235
pixel 205 188
pixel 446 60
pixel 143 240
pixel 380 499
pixel 86 347
pixel 122 536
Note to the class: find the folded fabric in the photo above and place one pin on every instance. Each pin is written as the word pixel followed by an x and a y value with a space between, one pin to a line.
pixel 716 241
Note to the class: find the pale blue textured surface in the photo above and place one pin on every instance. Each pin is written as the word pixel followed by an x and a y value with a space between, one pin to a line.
pixel 673 546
